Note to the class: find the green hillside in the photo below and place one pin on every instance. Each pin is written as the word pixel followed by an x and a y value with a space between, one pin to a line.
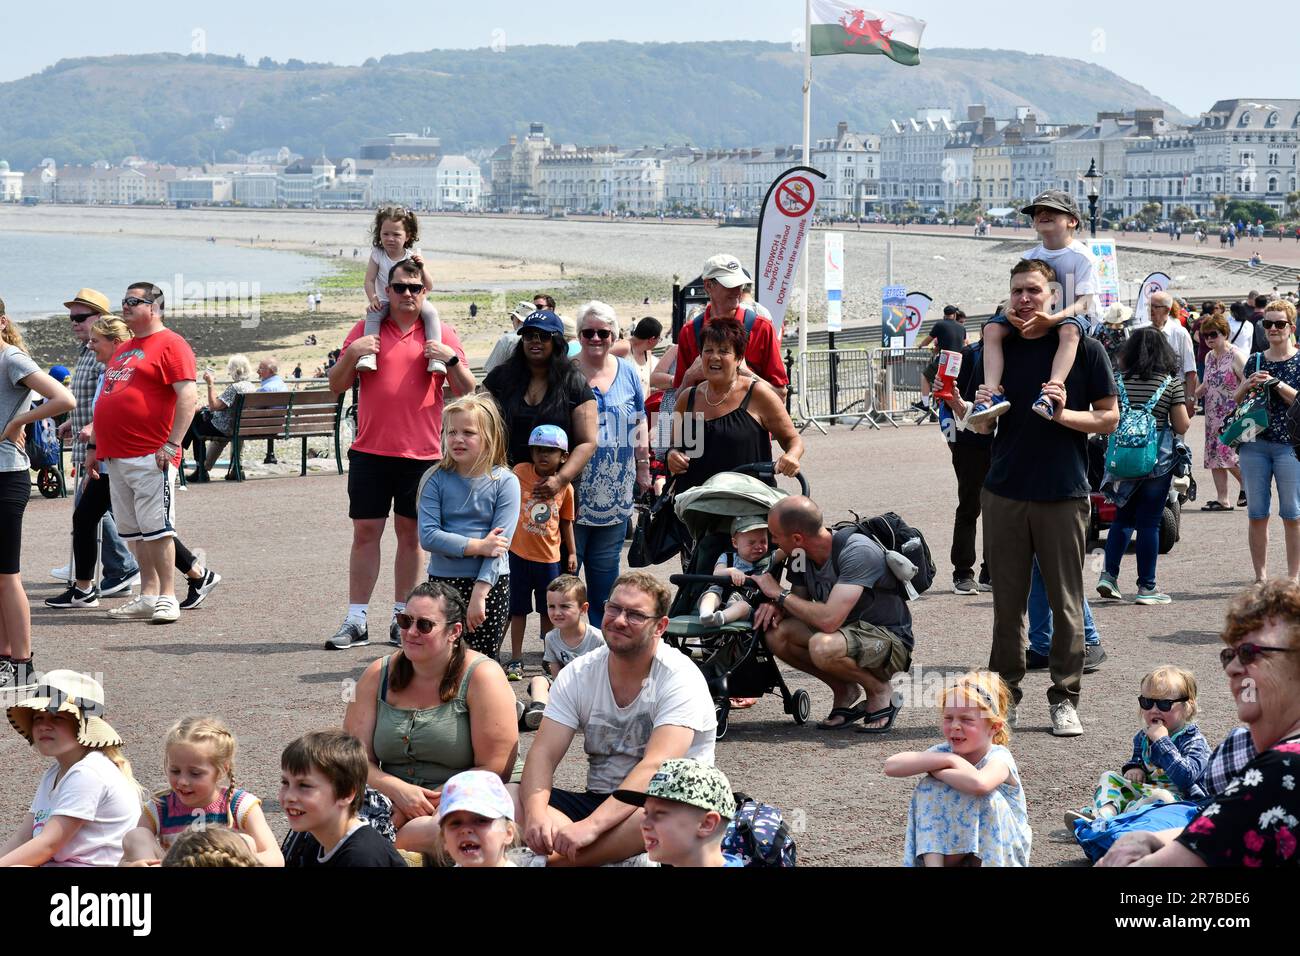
pixel 163 106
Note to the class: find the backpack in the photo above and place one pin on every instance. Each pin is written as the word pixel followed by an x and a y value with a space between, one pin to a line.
pixel 758 834
pixel 43 447
pixel 697 326
pixel 1135 444
pixel 894 534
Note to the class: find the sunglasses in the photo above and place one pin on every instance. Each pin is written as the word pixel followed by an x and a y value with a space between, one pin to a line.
pixel 532 335
pixel 402 288
pixel 1248 653
pixel 82 317
pixel 131 301
pixel 1274 323
pixel 635 618
pixel 421 624
pixel 601 334
pixel 1209 335
pixel 1162 705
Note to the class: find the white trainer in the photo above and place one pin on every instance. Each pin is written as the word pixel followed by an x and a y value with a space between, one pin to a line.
pixel 166 610
pixel 137 609
pixel 1065 720
pixel 62 574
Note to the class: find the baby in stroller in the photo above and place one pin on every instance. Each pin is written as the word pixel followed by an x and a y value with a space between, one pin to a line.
pixel 750 556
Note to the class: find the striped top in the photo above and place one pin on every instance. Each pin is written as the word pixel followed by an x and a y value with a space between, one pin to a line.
pixel 1141 390
pixel 171 818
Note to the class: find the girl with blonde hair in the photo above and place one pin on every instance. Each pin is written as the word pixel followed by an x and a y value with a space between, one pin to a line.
pixel 468 510
pixel 969 807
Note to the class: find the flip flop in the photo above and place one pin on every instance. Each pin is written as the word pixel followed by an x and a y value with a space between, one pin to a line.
pixel 1215 506
pixel 890 712
pixel 850 716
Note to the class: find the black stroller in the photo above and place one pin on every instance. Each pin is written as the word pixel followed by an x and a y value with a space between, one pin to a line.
pixel 734 659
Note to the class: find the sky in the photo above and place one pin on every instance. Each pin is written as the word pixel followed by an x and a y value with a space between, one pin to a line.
pixel 1189 53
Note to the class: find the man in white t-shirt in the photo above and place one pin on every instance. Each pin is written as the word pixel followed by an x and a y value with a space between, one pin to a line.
pixel 1180 340
pixel 638 702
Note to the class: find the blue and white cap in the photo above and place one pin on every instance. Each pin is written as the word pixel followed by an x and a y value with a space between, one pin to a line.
pixel 549 436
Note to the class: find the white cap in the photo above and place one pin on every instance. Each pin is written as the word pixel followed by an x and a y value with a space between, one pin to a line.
pixel 476 791
pixel 725 270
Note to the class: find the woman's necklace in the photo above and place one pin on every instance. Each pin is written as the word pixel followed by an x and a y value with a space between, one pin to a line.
pixel 725 395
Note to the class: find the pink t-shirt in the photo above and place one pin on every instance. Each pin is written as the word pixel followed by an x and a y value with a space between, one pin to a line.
pixel 400 413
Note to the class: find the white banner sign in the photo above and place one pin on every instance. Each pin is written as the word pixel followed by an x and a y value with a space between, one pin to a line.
pixel 782 230
pixel 918 305
pixel 834 280
pixel 1155 282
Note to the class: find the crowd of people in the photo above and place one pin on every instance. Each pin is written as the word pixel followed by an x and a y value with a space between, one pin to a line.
pixel 518 493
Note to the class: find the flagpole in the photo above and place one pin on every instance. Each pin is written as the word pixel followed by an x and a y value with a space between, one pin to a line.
pixel 807 161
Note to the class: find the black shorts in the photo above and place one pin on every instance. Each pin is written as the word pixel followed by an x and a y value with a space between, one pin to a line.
pixel 528 583
pixel 576 806
pixel 15 492
pixel 377 483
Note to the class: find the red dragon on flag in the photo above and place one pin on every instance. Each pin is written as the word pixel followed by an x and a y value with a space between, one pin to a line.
pixel 862 30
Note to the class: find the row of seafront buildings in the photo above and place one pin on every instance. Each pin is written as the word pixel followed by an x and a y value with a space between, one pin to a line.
pixel 932 163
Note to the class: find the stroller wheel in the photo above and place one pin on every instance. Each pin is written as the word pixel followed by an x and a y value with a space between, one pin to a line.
pixel 800 706
pixel 49 482
pixel 721 711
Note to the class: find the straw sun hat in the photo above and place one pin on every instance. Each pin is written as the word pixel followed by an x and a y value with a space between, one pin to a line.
pixel 67 692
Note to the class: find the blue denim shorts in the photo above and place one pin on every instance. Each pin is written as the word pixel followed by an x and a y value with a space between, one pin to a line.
pixel 528 583
pixel 1262 463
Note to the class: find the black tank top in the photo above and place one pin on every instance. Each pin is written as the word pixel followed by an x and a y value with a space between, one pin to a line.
pixel 727 442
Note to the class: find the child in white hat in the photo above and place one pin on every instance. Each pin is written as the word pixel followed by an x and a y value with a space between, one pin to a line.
pixel 477 818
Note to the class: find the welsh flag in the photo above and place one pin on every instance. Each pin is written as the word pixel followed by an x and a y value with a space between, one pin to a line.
pixel 839 27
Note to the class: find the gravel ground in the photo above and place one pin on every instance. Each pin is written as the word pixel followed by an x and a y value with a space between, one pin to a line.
pixel 253 653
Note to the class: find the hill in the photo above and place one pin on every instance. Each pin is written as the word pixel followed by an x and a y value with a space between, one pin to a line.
pixel 163 106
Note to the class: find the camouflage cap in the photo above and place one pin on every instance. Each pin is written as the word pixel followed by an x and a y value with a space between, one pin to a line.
pixel 684 780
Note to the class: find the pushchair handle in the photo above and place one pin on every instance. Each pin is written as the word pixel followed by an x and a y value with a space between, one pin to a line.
pixel 720 579
pixel 767 469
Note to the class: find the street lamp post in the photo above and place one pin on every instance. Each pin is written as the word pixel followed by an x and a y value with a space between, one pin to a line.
pixel 1093 193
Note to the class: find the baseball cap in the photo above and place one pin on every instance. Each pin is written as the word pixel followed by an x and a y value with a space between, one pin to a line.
pixel 684 780
pixel 950 310
pixel 1054 199
pixel 726 270
pixel 543 321
pixel 91 299
pixel 60 374
pixel 648 328
pixel 748 523
pixel 549 436
pixel 476 791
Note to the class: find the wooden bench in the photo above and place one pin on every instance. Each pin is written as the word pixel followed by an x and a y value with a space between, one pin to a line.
pixel 308 413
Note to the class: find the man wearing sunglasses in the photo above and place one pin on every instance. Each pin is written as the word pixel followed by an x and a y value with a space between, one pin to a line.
pixel 638 702
pixel 144 409
pixel 399 437
pixel 1161 307
pixel 120 570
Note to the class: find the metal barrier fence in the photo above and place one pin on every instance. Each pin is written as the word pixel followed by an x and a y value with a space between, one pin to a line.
pixel 872 385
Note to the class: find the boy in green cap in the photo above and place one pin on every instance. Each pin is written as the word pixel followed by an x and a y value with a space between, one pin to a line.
pixel 687 808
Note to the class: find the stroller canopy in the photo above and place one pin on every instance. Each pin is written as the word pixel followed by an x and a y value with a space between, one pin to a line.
pixel 727 495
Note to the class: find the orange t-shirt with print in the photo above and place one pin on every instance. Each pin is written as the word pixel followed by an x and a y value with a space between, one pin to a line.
pixel 537 536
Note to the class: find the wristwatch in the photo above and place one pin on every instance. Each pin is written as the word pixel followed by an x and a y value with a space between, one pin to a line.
pixel 780 598
pixel 454 360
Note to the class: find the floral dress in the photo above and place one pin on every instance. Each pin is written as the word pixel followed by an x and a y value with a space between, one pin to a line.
pixel 1253 821
pixel 995 827
pixel 608 483
pixel 1220 383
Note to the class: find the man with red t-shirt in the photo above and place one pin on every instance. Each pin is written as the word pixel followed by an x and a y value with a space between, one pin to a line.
pixel 143 411
pixel 724 282
pixel 399 437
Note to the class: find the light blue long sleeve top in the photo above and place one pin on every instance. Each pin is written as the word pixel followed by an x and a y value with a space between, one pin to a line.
pixel 454 509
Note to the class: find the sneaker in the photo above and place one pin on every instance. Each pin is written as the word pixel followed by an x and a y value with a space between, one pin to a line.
pixel 75 597
pixel 534 714
pixel 984 412
pixel 136 609
pixel 349 635
pixel 965 586
pixel 984 584
pixel 1071 816
pixel 515 671
pixel 394 632
pixel 1093 656
pixel 166 610
pixel 367 363
pixel 1107 587
pixel 62 574
pixel 7 673
pixel 200 589
pixel 116 585
pixel 1035 661
pixel 1011 716
pixel 1151 596
pixel 1043 407
pixel 1065 720
pixel 519 710
pixel 437 366
pixel 198 477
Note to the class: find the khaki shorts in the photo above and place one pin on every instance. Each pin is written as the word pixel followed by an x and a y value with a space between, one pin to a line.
pixel 143 497
pixel 878 651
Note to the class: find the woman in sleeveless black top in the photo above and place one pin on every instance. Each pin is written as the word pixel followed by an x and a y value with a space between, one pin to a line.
pixel 727 421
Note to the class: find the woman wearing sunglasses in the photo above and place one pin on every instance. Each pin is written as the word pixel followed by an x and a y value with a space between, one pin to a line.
pixel 620 467
pixel 428 712
pixel 1252 822
pixel 1269 456
pixel 1216 390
